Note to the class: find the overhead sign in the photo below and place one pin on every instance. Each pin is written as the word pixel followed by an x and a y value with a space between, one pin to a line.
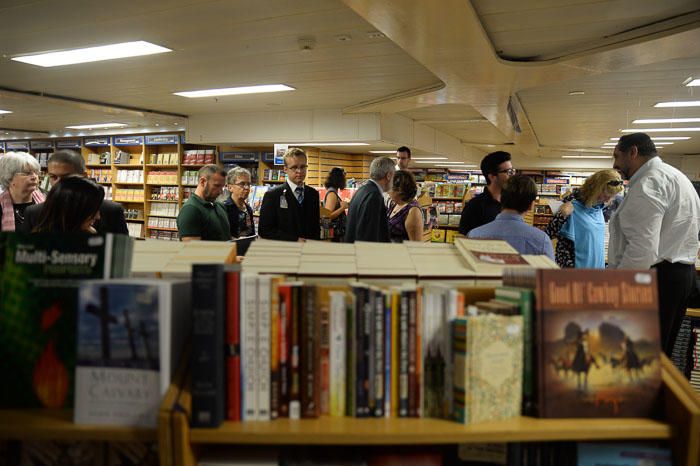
pixel 127 140
pixel 238 156
pixel 96 142
pixel 161 139
pixel 68 144
pixel 41 144
pixel 17 145
pixel 280 149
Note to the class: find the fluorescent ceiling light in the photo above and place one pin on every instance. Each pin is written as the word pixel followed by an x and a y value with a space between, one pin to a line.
pixel 327 144
pixel 693 82
pixel 689 103
pixel 662 138
pixel 659 130
pixel 236 90
pixel 90 54
pixel 5 111
pixel 429 158
pixel 586 156
pixel 99 126
pixel 667 120
pixel 382 152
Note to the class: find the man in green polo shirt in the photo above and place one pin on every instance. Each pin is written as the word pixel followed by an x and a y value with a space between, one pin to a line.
pixel 201 217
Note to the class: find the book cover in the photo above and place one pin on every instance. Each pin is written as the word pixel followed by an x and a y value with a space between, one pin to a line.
pixel 337 330
pixel 130 334
pixel 208 364
pixel 309 366
pixel 249 346
pixel 494 383
pixel 599 343
pixel 38 313
pixel 233 346
pixel 489 256
pixel 622 454
pixel 263 336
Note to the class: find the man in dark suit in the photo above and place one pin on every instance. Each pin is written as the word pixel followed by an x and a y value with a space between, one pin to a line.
pixel 291 211
pixel 367 215
pixel 64 163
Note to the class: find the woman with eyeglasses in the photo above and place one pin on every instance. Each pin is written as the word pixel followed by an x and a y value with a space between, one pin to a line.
pixel 332 201
pixel 240 213
pixel 579 225
pixel 19 178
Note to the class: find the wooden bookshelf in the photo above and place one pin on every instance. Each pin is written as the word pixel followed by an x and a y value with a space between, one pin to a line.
pixel 57 424
pixel 408 431
pixel 681 426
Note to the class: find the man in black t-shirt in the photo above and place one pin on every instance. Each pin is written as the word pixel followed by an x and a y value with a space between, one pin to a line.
pixel 483 208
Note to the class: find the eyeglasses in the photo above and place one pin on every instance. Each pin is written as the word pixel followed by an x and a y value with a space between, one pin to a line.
pixel 508 171
pixel 242 185
pixel 299 168
pixel 616 183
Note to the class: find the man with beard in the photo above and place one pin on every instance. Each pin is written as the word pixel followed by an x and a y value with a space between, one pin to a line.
pixel 201 217
pixel 656 226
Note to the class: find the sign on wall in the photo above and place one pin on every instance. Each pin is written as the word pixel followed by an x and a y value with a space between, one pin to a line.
pixel 41 144
pixel 96 141
pixel 238 157
pixel 161 139
pixel 17 146
pixel 68 144
pixel 127 140
pixel 280 149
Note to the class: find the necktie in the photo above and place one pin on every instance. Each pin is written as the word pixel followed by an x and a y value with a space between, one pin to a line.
pixel 299 192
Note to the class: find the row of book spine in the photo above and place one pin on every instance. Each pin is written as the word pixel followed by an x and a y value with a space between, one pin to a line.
pixel 299 350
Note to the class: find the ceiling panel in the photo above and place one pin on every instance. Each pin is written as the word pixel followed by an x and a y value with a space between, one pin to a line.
pixel 533 29
pixel 611 102
pixel 479 132
pixel 215 44
pixel 444 112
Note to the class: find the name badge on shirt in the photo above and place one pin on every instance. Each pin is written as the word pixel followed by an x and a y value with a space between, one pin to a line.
pixel 283 202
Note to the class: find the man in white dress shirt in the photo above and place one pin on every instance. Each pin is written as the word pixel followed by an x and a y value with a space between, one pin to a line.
pixel 656 225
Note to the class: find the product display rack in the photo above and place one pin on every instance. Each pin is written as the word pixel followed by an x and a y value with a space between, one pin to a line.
pixel 160 161
pixel 680 426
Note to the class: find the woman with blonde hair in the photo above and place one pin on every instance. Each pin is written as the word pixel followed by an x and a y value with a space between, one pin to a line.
pixel 579 226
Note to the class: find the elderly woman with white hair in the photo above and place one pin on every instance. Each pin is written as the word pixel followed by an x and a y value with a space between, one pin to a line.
pixel 240 214
pixel 19 178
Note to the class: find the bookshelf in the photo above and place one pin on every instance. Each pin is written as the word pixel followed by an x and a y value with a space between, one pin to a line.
pixel 57 424
pixel 145 173
pixel 681 426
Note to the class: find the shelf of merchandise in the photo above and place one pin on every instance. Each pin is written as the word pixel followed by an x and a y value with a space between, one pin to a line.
pixel 693 313
pixel 162 228
pixel 57 424
pixel 681 426
pixel 447 198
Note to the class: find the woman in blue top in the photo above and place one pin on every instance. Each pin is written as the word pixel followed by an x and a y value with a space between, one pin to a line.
pixel 579 225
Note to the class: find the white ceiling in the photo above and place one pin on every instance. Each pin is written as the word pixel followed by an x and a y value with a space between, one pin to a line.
pixel 551 28
pixel 215 44
pixel 451 44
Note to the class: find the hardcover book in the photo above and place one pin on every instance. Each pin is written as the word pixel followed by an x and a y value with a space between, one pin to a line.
pixel 599 343
pixel 130 335
pixel 38 318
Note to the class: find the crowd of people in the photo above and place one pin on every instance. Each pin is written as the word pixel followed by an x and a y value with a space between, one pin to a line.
pixel 655 225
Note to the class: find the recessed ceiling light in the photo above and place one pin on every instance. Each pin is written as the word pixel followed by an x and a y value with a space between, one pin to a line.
pixel 382 152
pixel 692 82
pixel 157 124
pixel 429 158
pixel 667 120
pixel 325 144
pixel 176 123
pixel 688 103
pixel 5 111
pixel 577 92
pixel 659 130
pixel 663 138
pixel 236 90
pixel 91 54
pixel 586 156
pixel 98 126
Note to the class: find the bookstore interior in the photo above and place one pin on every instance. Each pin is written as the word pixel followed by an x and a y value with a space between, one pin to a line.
pixel 145 349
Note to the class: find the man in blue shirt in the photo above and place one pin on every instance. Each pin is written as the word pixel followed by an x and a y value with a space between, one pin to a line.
pixel 517 197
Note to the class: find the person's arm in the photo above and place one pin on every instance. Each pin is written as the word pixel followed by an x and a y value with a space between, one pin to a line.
pixel 119 221
pixel 332 200
pixel 547 249
pixel 315 214
pixel 369 224
pixel 554 226
pixel 268 225
pixel 189 224
pixel 414 224
pixel 640 221
pixel 469 218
